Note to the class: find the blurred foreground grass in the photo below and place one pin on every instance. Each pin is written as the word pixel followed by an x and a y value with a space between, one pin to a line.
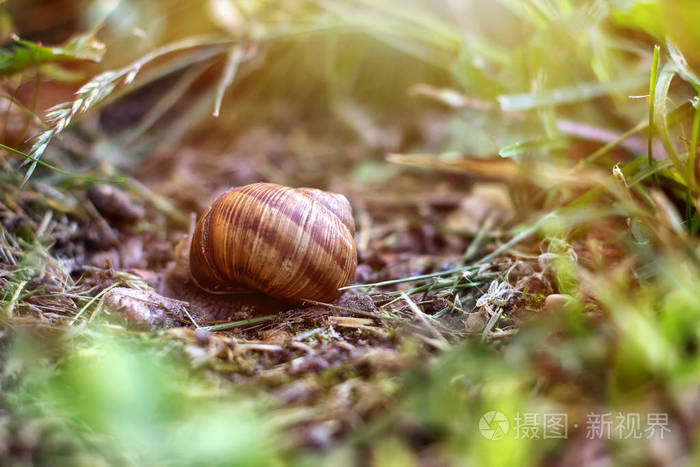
pixel 118 400
pixel 546 83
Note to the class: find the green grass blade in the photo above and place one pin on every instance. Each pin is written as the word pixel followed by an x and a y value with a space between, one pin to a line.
pixel 658 112
pixel 36 161
pixel 568 94
pixel 652 92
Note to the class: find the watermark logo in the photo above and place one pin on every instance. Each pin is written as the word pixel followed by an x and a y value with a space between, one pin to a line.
pixel 493 425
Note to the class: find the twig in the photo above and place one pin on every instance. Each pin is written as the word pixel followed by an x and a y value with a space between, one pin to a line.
pixel 184 308
pixel 424 319
pixel 262 347
pixel 351 310
pixel 237 324
pixel 503 334
pixel 301 346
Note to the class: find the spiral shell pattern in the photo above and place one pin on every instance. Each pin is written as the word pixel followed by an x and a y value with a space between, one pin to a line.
pixel 294 244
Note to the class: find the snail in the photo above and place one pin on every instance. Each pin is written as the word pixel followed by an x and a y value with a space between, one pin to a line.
pixel 293 244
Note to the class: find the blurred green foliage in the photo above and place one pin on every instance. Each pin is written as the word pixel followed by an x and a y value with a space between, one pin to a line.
pixel 27 55
pixel 112 400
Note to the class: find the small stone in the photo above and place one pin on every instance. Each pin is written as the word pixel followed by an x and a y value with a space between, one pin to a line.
pixel 202 335
pixel 476 322
pixel 486 200
pixel 105 259
pixel 297 392
pixel 275 336
pixel 142 309
pixel 309 364
pixel 383 359
pixel 114 204
pixel 556 303
pixel 319 435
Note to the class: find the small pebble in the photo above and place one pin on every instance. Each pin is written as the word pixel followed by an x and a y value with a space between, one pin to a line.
pixel 275 336
pixel 476 321
pixel 556 303
pixel 114 204
pixel 202 335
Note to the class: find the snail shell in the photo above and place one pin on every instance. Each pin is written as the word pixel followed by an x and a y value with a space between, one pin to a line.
pixel 294 244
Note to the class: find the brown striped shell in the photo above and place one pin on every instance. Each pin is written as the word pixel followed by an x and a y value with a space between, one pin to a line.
pixel 294 244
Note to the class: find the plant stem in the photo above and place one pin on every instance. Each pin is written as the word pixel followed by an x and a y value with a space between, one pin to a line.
pixel 652 92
